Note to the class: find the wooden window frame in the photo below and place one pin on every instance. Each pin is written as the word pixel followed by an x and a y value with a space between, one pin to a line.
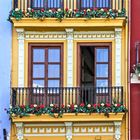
pixel 30 61
pixel 97 45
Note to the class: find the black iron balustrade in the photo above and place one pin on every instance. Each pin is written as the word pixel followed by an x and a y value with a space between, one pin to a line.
pixel 70 4
pixel 65 95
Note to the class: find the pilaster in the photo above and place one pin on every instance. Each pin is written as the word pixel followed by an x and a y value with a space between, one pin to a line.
pixel 20 38
pixel 19 127
pixel 117 130
pixel 118 42
pixel 69 33
pixel 68 130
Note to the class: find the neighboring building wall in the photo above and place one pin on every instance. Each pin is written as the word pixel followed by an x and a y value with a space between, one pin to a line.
pixel 5 58
pixel 135 87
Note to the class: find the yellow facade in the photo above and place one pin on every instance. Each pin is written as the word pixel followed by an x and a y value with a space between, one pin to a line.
pixel 82 126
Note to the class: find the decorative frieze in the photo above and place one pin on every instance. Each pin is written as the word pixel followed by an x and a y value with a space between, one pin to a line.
pixel 69 129
pixel 89 35
pixel 45 35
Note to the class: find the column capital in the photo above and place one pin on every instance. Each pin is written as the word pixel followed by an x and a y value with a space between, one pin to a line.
pixel 69 30
pixel 20 32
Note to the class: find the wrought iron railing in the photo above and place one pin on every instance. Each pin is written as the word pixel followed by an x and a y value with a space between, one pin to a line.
pixel 70 4
pixel 65 95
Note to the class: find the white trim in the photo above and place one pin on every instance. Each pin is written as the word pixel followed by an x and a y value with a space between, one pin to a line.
pixel 94 35
pixel 118 41
pixel 93 124
pixel 20 38
pixel 55 124
pixel 42 135
pixel 93 134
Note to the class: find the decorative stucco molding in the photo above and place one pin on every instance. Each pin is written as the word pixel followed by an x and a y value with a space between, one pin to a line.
pixel 68 130
pixel 45 35
pixel 20 131
pixel 99 35
pixel 20 38
pixel 69 57
pixel 118 37
pixel 94 35
pixel 117 130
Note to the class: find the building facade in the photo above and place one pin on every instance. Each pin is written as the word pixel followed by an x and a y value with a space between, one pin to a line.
pixel 5 58
pixel 70 68
pixel 134 60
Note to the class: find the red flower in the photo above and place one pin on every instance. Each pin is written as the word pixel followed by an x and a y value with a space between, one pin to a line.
pixel 67 9
pixel 42 106
pixel 32 10
pixel 95 9
pixel 118 105
pixel 31 106
pixel 22 106
pixel 108 105
pixel 82 104
pixel 91 9
pixel 42 10
pixel 98 105
pixel 105 9
pixel 62 106
pixel 94 105
pixel 85 11
pixel 76 10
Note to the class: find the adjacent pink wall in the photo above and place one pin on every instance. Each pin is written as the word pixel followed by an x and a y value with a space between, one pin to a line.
pixel 134 88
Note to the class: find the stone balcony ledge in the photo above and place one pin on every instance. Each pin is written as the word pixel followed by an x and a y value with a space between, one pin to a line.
pixel 69 22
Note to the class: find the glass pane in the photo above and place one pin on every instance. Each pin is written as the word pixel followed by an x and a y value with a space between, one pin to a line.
pixel 102 3
pixel 38 83
pixel 102 83
pixel 53 71
pixel 38 55
pixel 38 71
pixel 101 55
pixel 53 83
pixel 53 55
pixel 102 70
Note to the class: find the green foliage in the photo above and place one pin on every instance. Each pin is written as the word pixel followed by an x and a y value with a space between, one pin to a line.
pixel 57 112
pixel 67 13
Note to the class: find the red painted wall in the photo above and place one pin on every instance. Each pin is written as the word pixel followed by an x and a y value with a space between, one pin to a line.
pixel 134 88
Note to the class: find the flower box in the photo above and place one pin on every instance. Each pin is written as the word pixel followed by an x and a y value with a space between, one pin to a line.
pixel 80 117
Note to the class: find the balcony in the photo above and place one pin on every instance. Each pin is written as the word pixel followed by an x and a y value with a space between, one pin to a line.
pixel 70 4
pixel 65 95
pixel 66 9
